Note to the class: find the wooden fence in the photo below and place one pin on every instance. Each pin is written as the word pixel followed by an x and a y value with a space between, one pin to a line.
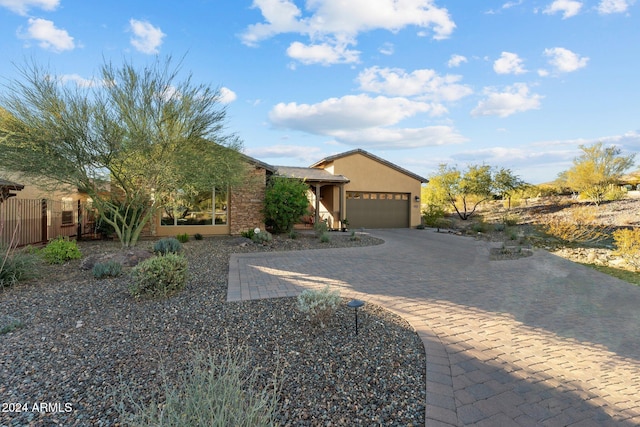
pixel 36 221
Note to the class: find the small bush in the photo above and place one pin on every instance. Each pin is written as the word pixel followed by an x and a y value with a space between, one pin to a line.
pixel 499 227
pixel 354 237
pixel 248 234
pixel 16 266
pixel 479 227
pixel 167 245
pixel 443 223
pixel 319 306
pixel 61 250
pixel 183 238
pixel 511 219
pixel 615 192
pixel 432 214
pixel 9 324
pixel 627 242
pixel 325 238
pixel 107 269
pixel 293 234
pixel 198 236
pixel 159 276
pixel 219 390
pixel 262 236
pixel 320 228
pixel 580 228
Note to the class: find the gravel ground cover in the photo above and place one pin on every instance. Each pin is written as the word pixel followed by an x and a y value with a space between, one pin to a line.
pixel 82 341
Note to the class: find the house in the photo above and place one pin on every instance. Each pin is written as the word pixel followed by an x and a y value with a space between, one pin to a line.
pixel 356 185
pixel 9 189
pixel 378 193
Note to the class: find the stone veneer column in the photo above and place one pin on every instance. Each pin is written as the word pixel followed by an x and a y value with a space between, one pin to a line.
pixel 246 203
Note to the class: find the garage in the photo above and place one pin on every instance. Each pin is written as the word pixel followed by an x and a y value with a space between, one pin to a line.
pixel 378 210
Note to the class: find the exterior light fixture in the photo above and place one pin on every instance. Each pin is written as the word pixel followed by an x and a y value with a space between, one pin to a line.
pixel 355 304
pixel 417 198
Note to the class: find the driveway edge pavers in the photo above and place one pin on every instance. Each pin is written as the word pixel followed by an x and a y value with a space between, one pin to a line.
pixel 525 342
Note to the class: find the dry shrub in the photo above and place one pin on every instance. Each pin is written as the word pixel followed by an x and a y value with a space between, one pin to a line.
pixel 580 227
pixel 627 243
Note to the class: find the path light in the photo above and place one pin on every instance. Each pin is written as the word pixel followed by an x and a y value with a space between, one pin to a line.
pixel 356 303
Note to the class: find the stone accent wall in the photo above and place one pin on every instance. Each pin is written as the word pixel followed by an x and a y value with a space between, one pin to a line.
pixel 246 203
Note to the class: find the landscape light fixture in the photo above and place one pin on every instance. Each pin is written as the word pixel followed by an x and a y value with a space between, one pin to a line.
pixel 356 303
pixel 417 198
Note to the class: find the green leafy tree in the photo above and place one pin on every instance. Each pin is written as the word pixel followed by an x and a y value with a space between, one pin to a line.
pixel 505 184
pixel 285 202
pixel 596 169
pixel 463 191
pixel 130 140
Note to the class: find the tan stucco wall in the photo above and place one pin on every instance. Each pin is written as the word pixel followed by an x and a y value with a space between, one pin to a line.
pixel 366 174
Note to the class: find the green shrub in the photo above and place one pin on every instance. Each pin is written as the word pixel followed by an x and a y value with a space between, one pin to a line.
pixel 198 236
pixel 167 245
pixel 159 276
pixel 499 227
pixel 107 269
pixel 61 250
pixel 615 192
pixel 627 242
pixel 479 227
pixel 16 266
pixel 320 228
pixel 325 238
pixel 248 234
pixel 9 324
pixel 285 202
pixel 219 390
pixel 293 234
pixel 319 306
pixel 354 237
pixel 432 214
pixel 443 223
pixel 183 238
pixel 262 236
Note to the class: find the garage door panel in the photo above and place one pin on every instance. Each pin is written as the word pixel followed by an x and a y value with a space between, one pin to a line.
pixel 378 210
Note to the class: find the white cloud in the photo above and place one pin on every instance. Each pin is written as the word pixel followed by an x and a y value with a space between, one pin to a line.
pixel 362 120
pixel 568 8
pixel 48 36
pixel 146 38
pixel 227 96
pixel 564 60
pixel 386 49
pixel 456 61
pixel 338 23
pixel 22 7
pixel 514 99
pixel 606 7
pixel 348 112
pixel 394 138
pixel 323 53
pixel 509 63
pixel 425 83
pixel 303 153
pixel 80 81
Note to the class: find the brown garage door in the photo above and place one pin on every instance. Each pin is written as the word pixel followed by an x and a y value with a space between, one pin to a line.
pixel 377 210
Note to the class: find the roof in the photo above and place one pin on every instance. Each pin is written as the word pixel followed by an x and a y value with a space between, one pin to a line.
pixel 372 157
pixel 10 185
pixel 310 174
pixel 258 163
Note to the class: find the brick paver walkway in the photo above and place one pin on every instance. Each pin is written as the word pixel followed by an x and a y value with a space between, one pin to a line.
pixel 538 341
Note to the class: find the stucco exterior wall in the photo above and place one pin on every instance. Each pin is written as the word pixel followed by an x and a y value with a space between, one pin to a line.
pixel 366 174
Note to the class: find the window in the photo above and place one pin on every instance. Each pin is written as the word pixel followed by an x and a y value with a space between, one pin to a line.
pixel 67 211
pixel 207 208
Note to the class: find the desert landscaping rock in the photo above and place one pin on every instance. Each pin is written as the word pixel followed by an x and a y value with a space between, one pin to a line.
pixel 85 341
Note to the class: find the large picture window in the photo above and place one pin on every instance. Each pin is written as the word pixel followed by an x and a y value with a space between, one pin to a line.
pixel 207 208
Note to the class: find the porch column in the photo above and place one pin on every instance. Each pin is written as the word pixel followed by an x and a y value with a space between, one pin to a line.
pixel 342 204
pixel 317 217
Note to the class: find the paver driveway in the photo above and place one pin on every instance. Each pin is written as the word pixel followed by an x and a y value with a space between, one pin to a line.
pixel 538 341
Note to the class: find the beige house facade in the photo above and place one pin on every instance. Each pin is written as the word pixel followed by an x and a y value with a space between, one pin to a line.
pixel 378 194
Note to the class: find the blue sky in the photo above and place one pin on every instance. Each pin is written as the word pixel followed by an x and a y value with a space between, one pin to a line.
pixel 517 84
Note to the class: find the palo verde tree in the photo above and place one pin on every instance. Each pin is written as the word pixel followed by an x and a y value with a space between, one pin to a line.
pixel 465 190
pixel 130 140
pixel 596 169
